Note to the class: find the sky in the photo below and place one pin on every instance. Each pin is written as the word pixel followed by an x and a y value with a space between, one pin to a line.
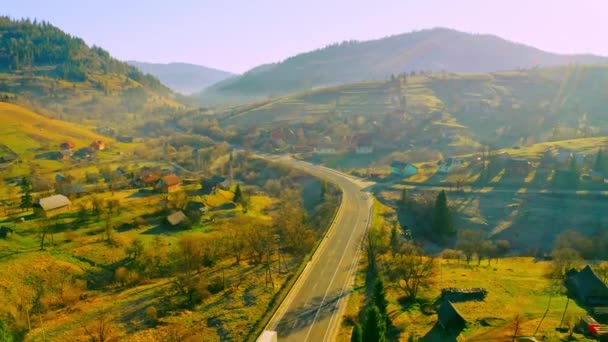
pixel 237 35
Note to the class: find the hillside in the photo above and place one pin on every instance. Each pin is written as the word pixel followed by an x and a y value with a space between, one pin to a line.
pixel 183 78
pixel 44 67
pixel 35 139
pixel 429 50
pixel 455 112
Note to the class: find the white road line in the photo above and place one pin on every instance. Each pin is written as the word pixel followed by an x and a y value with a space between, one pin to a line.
pixel 327 291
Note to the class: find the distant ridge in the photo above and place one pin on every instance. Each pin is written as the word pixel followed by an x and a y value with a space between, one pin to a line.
pixel 437 49
pixel 183 78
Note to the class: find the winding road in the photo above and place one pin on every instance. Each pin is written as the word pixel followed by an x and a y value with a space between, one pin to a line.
pixel 313 308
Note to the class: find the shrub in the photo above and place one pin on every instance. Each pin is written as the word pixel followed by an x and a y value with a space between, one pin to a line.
pixel 216 285
pixel 152 314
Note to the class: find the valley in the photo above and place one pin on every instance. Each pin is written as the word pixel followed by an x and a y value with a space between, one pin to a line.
pixel 434 185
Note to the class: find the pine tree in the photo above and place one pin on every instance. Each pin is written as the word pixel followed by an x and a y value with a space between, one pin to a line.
pixel 379 298
pixel 395 240
pixel 357 335
pixel 442 221
pixel 600 163
pixel 323 190
pixel 238 195
pixel 574 172
pixel 403 200
pixel 374 329
pixel 26 198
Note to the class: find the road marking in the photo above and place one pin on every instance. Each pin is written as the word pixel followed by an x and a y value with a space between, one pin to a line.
pixel 327 291
pixel 351 276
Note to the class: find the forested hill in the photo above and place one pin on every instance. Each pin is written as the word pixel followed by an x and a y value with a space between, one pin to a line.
pixel 428 50
pixel 40 63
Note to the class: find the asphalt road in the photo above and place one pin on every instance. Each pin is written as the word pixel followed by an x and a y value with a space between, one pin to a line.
pixel 313 309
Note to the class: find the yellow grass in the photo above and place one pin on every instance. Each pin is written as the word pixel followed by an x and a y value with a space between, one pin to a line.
pixel 23 130
pixel 516 286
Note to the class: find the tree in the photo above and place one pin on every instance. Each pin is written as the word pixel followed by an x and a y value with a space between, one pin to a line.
pixel 470 242
pixel 44 227
pixel 323 191
pixel 374 329
pixel 238 195
pixel 600 162
pixel 577 241
pixel 442 224
pixel 379 297
pixel 26 197
pixel 357 335
pixel 564 259
pixel 101 330
pixel 403 199
pixel 411 270
pixel 395 239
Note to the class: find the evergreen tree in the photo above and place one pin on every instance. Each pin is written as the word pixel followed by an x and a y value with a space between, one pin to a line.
pixel 395 240
pixel 600 163
pixel 323 190
pixel 379 298
pixel 442 220
pixel 403 199
pixel 26 197
pixel 238 195
pixel 357 335
pixel 574 172
pixel 374 329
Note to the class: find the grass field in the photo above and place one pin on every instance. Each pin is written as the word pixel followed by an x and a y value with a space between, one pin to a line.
pixel 516 287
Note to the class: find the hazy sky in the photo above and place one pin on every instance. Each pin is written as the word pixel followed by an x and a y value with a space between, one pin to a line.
pixel 238 35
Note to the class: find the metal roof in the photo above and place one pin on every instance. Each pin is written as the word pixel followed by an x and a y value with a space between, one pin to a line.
pixel 53 202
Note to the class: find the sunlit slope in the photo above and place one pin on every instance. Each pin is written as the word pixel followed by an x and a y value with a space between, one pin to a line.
pixel 26 132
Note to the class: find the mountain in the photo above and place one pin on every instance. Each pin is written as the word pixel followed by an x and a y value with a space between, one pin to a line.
pixel 460 111
pixel 436 49
pixel 58 74
pixel 183 78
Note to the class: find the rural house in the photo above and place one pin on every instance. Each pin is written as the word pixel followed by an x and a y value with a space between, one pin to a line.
pixel 176 218
pixel 98 145
pixel 449 318
pixel 448 165
pixel 149 176
pixel 587 287
pixel 518 167
pixel 169 183
pixel 400 168
pixel 51 206
pixel 213 182
pixel 66 150
pixel 364 144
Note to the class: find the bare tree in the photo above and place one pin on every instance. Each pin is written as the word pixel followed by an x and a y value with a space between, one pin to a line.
pixel 101 330
pixel 564 259
pixel 411 271
pixel 470 242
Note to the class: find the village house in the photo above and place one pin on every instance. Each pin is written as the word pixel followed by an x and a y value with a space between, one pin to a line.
pixel 449 318
pixel 66 149
pixel 176 218
pixel 149 176
pixel 326 150
pixel 587 287
pixel 51 206
pixel 518 167
pixel 277 138
pixel 449 165
pixel 168 183
pixel 596 176
pixel 98 145
pixel 364 144
pixel 210 184
pixel 403 169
